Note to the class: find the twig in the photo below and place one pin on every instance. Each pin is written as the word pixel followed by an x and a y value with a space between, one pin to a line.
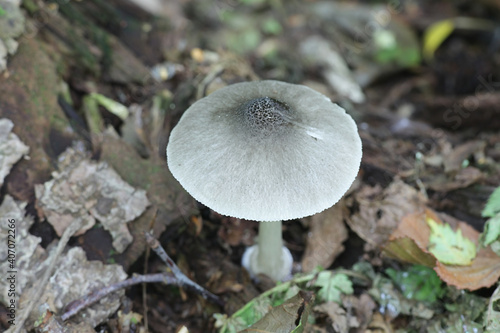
pixel 70 230
pixel 176 278
pixel 91 298
pixel 145 293
pixel 182 279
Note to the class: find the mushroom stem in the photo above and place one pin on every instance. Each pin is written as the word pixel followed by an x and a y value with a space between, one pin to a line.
pixel 270 244
pixel 269 256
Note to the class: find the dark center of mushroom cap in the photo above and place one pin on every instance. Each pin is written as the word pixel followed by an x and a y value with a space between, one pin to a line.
pixel 266 115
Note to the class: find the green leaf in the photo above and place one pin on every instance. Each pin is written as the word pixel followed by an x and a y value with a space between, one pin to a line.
pixel 491 230
pixel 119 110
pixel 228 324
pixel 393 303
pixel 390 48
pixel 418 283
pixel 492 207
pixel 244 41
pixel 332 286
pixel 272 27
pixel 448 246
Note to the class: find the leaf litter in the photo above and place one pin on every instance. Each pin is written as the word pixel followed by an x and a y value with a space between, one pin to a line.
pixel 416 166
pixel 90 191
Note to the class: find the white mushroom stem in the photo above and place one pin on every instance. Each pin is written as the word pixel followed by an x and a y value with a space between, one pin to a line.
pixel 269 256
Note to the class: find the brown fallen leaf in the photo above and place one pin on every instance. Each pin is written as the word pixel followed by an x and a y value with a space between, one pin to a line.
pixel 324 241
pixel 341 320
pixel 406 250
pixel 379 324
pixel 380 213
pixel 453 161
pixel 463 178
pixel 482 273
pixel 410 241
pixel 353 316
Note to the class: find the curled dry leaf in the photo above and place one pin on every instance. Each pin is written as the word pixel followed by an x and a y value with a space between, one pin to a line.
pixel 324 241
pixel 454 159
pixel 89 190
pixel 410 242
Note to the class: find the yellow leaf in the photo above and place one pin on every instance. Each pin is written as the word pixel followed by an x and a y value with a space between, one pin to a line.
pixel 435 35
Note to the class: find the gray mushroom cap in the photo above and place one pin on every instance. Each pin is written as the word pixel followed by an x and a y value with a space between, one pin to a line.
pixel 265 151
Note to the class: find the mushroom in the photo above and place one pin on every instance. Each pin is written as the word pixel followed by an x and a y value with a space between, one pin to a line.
pixel 267 151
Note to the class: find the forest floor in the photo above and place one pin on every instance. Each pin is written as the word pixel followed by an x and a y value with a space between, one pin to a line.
pixel 90 91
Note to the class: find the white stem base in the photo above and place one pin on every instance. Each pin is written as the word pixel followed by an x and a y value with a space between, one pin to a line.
pixel 269 256
pixel 277 273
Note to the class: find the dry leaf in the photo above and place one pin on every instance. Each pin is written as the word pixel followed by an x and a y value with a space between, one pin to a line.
pixel 90 191
pixel 324 241
pixel 463 178
pixel 406 249
pixel 341 320
pixel 454 159
pixel 379 324
pixel 380 213
pixel 75 277
pixel 483 272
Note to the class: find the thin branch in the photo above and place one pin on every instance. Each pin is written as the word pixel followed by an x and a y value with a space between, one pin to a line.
pixel 176 278
pixel 91 298
pixel 182 279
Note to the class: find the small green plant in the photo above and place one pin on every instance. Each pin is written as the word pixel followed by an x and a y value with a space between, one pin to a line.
pixel 278 301
pixel 418 283
pixel 333 286
pixel 491 234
